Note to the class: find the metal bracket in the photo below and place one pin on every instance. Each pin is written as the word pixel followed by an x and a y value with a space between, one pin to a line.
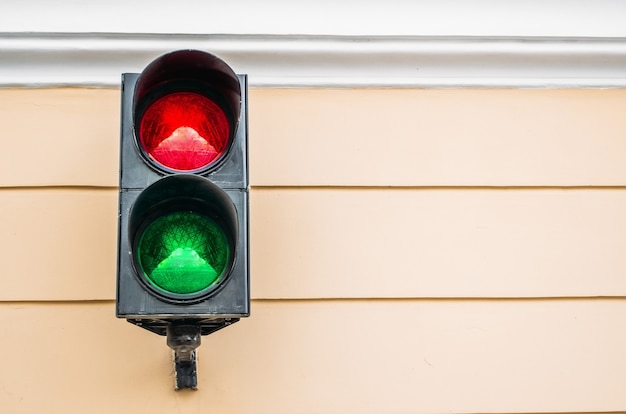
pixel 183 336
pixel 184 339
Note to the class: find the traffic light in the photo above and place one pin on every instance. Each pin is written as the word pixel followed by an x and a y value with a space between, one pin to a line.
pixel 183 201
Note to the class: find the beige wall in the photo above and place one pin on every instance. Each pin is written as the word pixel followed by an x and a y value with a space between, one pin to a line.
pixel 411 251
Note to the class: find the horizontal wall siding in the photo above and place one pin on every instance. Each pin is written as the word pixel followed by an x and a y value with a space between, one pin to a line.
pixel 361 357
pixel 347 137
pixel 354 243
pixel 412 251
pixel 60 137
pixel 438 137
pixel 438 243
pixel 58 244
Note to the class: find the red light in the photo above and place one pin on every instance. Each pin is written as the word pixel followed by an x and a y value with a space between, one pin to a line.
pixel 184 131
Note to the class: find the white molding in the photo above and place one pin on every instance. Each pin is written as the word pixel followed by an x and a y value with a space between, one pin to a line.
pixel 97 60
pixel 490 18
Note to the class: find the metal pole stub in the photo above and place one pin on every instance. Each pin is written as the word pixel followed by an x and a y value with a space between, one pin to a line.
pixel 184 339
pixel 186 372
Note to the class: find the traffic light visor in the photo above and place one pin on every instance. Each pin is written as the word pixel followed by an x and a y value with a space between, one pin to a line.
pixel 186 107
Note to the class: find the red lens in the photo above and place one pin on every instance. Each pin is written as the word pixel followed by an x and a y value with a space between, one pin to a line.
pixel 184 131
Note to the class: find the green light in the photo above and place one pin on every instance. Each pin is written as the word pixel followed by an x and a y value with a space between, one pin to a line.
pixel 183 253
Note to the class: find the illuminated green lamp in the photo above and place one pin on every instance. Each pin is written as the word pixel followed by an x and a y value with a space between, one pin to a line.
pixel 183 253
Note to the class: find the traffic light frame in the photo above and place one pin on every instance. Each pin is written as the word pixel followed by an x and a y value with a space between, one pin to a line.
pixel 209 198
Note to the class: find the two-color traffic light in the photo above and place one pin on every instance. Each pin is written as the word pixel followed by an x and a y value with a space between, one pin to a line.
pixel 183 202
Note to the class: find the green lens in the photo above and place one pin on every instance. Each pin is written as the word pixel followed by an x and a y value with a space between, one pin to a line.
pixel 183 253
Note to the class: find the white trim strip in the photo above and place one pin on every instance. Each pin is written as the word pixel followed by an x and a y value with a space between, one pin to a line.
pixel 97 60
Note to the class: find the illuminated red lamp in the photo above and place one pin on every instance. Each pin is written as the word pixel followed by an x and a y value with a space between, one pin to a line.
pixel 184 131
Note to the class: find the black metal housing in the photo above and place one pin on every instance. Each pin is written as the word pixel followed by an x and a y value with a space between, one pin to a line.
pixel 221 191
